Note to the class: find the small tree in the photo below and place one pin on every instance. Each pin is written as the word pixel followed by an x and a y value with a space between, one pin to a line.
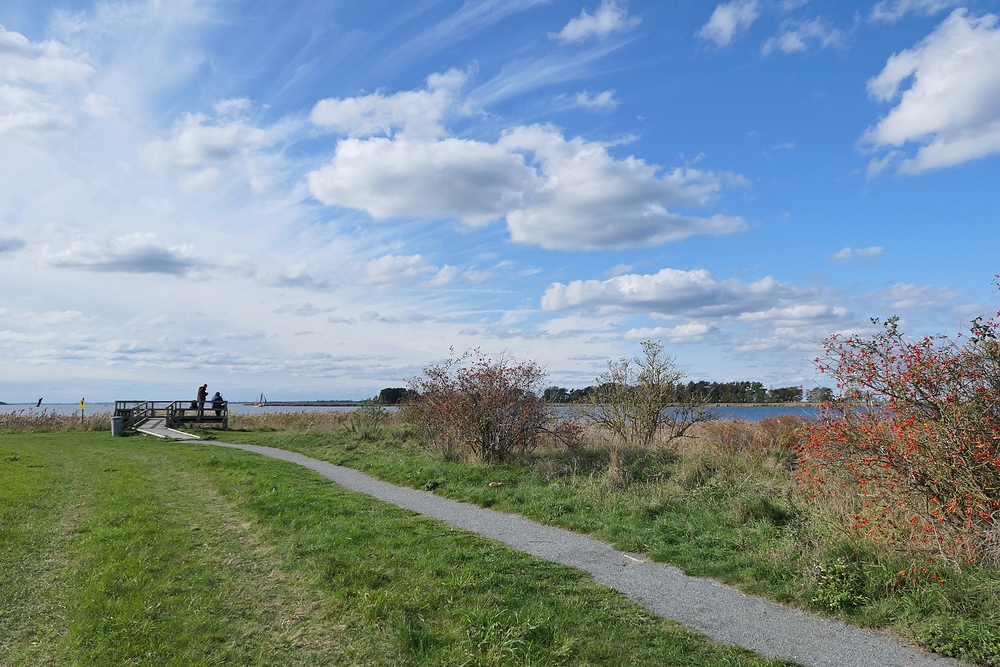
pixel 480 405
pixel 640 398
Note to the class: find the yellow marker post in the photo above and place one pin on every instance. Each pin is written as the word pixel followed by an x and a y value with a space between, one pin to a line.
pixel 83 404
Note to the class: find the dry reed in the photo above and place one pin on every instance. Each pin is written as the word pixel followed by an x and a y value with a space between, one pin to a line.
pixel 47 421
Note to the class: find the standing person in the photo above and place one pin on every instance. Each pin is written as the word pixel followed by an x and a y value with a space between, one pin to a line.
pixel 202 395
pixel 217 402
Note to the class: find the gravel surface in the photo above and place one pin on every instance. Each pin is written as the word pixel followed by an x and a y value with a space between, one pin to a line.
pixel 719 611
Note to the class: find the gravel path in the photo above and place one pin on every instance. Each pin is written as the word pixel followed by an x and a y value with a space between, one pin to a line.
pixel 721 612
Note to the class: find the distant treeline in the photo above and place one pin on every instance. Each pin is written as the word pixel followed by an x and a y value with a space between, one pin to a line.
pixel 710 392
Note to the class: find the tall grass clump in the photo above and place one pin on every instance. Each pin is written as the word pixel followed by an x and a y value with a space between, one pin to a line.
pixel 317 421
pixel 45 420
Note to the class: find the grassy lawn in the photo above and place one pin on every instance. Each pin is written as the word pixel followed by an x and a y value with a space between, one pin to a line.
pixel 732 518
pixel 128 551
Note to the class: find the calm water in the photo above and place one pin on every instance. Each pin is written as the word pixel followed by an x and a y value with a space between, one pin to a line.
pixel 749 413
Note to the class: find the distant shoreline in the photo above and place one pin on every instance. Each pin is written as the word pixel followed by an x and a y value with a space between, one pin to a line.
pixel 301 404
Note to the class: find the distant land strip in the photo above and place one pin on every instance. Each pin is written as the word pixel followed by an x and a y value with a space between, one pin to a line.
pixel 302 404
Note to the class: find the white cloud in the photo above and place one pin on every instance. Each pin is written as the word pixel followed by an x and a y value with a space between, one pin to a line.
pixel 610 17
pixel 298 275
pixel 133 253
pixel 417 113
pixel 445 275
pixel 301 309
pixel 848 253
pixel 672 292
pixel 795 37
pixel 100 106
pixel 890 11
pixel 908 296
pixel 564 197
pixel 23 111
pixel 728 19
pixel 391 269
pixel 44 62
pixel 689 332
pixel 584 188
pixel 952 106
pixel 472 181
pixel 197 142
pixel 603 101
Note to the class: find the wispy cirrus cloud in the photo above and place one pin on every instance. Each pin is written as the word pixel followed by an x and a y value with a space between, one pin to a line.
pixel 890 11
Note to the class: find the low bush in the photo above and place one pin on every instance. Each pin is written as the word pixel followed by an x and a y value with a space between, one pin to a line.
pixel 480 406
pixel 912 451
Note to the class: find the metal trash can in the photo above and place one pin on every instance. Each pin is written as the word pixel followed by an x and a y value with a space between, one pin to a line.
pixel 117 426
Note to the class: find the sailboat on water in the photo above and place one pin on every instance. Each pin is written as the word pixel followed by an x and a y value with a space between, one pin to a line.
pixel 260 402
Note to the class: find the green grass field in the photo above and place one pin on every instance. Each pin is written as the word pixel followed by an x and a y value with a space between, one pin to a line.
pixel 129 551
pixel 728 517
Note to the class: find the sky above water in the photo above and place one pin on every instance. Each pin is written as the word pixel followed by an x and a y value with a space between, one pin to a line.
pixel 316 199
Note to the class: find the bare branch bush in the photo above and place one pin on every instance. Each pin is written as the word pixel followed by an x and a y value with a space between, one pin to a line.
pixel 480 406
pixel 639 399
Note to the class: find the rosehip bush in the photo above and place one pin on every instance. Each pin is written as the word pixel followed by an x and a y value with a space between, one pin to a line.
pixel 486 407
pixel 912 445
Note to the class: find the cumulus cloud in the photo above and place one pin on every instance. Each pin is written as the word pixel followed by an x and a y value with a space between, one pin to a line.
pixel 603 101
pixel 10 244
pixel 848 253
pixel 796 37
pixel 42 62
pixel 472 181
pixel 951 108
pixel 299 275
pixel 689 332
pixel 24 111
pixel 584 188
pixel 391 269
pixel 610 17
pixel 890 11
pixel 417 113
pixel 552 191
pixel 673 292
pixel 197 142
pixel 728 19
pixel 134 253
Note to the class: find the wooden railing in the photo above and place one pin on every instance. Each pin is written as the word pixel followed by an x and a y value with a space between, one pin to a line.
pixel 176 413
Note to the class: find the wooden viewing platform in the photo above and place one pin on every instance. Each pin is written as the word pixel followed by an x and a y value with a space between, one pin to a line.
pixel 175 413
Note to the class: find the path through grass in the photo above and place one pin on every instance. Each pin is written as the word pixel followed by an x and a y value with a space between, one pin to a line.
pixel 134 552
pixel 726 517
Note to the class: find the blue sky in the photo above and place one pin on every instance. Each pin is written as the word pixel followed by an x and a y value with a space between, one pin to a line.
pixel 317 199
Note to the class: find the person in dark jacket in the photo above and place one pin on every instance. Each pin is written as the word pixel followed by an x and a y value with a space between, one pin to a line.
pixel 217 403
pixel 202 395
